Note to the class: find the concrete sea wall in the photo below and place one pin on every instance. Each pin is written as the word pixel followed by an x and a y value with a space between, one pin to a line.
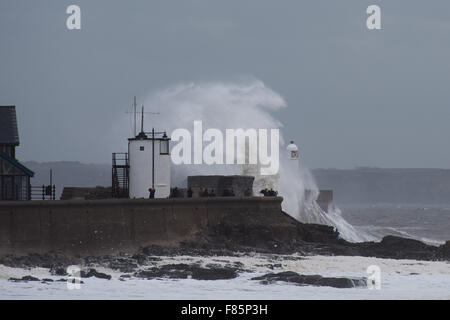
pixel 219 184
pixel 94 227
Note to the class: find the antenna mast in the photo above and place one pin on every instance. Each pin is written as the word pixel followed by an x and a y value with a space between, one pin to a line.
pixel 135 112
pixel 142 120
pixel 135 120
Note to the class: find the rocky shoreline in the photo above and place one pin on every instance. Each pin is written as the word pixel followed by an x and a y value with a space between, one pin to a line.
pixel 231 238
pixel 312 280
pixel 287 236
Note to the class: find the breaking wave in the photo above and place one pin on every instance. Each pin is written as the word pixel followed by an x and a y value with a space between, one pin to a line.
pixel 245 105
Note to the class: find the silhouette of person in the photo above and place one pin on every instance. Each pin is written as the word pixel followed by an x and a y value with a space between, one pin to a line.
pixel 152 193
pixel 336 233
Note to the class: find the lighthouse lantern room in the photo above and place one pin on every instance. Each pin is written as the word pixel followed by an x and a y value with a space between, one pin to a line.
pixel 292 151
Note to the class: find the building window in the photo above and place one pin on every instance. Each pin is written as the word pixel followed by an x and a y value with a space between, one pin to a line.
pixel 141 148
pixel 164 147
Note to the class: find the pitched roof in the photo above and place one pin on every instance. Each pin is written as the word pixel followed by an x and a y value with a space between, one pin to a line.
pixel 16 164
pixel 9 133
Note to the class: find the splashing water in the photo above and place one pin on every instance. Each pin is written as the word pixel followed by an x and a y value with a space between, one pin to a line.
pixel 218 105
pixel 244 105
pixel 313 213
pixel 302 194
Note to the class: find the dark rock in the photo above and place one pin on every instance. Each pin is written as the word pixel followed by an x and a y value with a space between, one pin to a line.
pixel 160 251
pixel 178 271
pixel 25 279
pixel 140 258
pixel 184 271
pixel 393 247
pixel 90 260
pixel 58 271
pixel 213 273
pixel 397 243
pixel 123 277
pixel 36 260
pixel 279 234
pixel 312 280
pixel 123 265
pixel 95 273
pixel 445 250
pixel 282 234
pixel 154 259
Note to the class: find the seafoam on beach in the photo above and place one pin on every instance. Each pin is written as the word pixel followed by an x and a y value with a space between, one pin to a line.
pixel 400 279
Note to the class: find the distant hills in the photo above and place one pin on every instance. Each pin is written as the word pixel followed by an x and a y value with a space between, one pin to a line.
pixel 352 186
pixel 376 185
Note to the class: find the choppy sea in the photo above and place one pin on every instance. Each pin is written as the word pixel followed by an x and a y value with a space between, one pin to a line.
pixel 428 223
pixel 400 279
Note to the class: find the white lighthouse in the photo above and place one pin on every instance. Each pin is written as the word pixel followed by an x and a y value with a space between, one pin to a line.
pixel 291 162
pixel 291 184
pixel 292 152
pixel 149 164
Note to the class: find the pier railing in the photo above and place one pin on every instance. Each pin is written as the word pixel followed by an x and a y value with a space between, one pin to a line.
pixel 43 192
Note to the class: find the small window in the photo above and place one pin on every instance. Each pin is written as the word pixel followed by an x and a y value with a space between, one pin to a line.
pixel 164 147
pixel 141 148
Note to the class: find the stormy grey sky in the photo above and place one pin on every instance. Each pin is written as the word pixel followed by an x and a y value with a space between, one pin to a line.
pixel 356 97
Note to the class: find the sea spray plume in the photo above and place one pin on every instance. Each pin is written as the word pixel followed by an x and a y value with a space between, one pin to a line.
pixel 311 212
pixel 245 105
pixel 219 105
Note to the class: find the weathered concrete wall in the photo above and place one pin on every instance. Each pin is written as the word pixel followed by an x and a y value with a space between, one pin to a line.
pixel 219 184
pixel 93 227
pixel 82 193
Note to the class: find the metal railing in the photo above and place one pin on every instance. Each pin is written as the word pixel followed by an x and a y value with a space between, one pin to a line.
pixel 43 192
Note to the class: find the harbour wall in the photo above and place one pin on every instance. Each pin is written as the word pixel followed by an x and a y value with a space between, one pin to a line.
pixel 100 227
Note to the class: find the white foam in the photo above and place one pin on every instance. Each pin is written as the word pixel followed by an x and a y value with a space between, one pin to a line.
pixel 401 279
